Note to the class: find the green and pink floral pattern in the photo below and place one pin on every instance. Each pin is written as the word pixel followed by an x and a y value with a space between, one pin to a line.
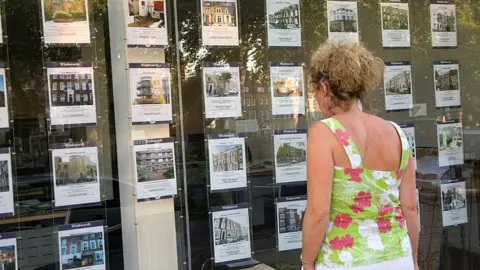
pixel 366 222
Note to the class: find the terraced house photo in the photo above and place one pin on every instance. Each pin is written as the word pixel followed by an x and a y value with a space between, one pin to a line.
pixel 71 89
pixel 227 158
pixel 284 16
pixel 343 20
pixel 147 13
pixel 152 90
pixel 287 87
pixel 7 258
pixel 155 164
pixel 394 18
pixel 220 14
pixel 64 11
pixel 446 79
pixel 82 250
pixel 450 138
pixel 290 154
pixel 443 21
pixel 399 84
pixel 453 198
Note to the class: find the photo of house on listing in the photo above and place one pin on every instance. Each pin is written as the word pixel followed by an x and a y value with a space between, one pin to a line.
pixel 220 14
pixel 71 89
pixel 82 250
pixel 64 11
pixel 2 91
pixel 287 86
pixel 152 90
pixel 75 169
pixel 221 84
pixel 147 13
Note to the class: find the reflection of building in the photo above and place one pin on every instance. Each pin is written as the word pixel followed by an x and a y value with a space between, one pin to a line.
pixel 223 84
pixel 287 17
pixel 448 80
pixel 82 250
pixel 4 183
pixel 443 22
pixel 77 169
pixel 394 18
pixel 71 89
pixel 343 20
pixel 219 14
pixel 228 231
pixel 156 159
pixel 400 83
pixel 153 90
pixel 289 153
pixel 228 160
pixel 289 220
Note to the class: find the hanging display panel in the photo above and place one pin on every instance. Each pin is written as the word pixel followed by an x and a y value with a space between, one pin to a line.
pixel 450 143
pixel 75 174
pixel 150 88
pixel 290 156
pixel 454 203
pixel 290 212
pixel 342 21
pixel 146 22
pixel 72 94
pixel 409 130
pixel 65 22
pixel 221 90
pixel 8 251
pixel 81 246
pixel 397 82
pixel 443 20
pixel 284 24
pixel 231 233
pixel 155 169
pixel 6 183
pixel 219 22
pixel 287 89
pixel 227 162
pixel 447 83
pixel 4 119
pixel 395 24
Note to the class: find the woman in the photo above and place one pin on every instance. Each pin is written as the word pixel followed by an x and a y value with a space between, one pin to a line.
pixel 361 182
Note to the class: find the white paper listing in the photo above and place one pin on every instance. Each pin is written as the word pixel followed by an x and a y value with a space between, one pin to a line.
pixel 155 168
pixel 221 90
pixel 450 143
pixel 290 156
pixel 76 179
pixel 146 22
pixel 443 20
pixel 409 131
pixel 219 22
pixel 287 89
pixel 227 161
pixel 150 89
pixel 290 211
pixel 342 21
pixel 284 24
pixel 65 22
pixel 72 93
pixel 454 203
pixel 395 24
pixel 397 82
pixel 447 83
pixel 231 233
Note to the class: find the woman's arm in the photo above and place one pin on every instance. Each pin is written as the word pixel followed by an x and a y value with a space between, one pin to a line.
pixel 320 169
pixel 408 201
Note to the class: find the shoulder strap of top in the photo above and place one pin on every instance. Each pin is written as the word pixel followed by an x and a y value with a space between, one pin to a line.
pixel 405 147
pixel 344 138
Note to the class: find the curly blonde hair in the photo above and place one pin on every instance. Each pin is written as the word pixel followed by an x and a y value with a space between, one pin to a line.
pixel 349 69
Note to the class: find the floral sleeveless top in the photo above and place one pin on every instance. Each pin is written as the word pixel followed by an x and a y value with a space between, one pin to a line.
pixel 366 225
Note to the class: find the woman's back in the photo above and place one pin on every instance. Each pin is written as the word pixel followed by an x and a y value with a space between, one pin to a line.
pixel 366 225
